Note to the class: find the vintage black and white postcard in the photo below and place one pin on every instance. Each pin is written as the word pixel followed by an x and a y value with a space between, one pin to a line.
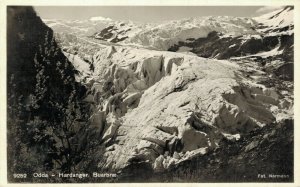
pixel 149 93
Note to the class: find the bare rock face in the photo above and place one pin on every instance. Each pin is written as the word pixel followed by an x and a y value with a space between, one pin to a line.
pixel 163 108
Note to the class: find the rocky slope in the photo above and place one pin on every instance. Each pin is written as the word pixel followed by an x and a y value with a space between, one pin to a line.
pixel 35 62
pixel 42 99
pixel 162 110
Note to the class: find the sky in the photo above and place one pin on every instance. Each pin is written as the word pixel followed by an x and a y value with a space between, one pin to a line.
pixel 147 13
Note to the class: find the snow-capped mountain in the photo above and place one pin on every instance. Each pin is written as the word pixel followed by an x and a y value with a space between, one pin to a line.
pixel 277 22
pixel 100 18
pixel 218 37
pixel 162 36
pixel 78 27
pixel 273 39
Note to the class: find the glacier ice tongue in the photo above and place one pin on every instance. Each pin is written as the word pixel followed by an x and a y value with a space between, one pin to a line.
pixel 165 107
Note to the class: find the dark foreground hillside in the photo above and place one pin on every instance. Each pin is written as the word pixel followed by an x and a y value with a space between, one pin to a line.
pixel 44 111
